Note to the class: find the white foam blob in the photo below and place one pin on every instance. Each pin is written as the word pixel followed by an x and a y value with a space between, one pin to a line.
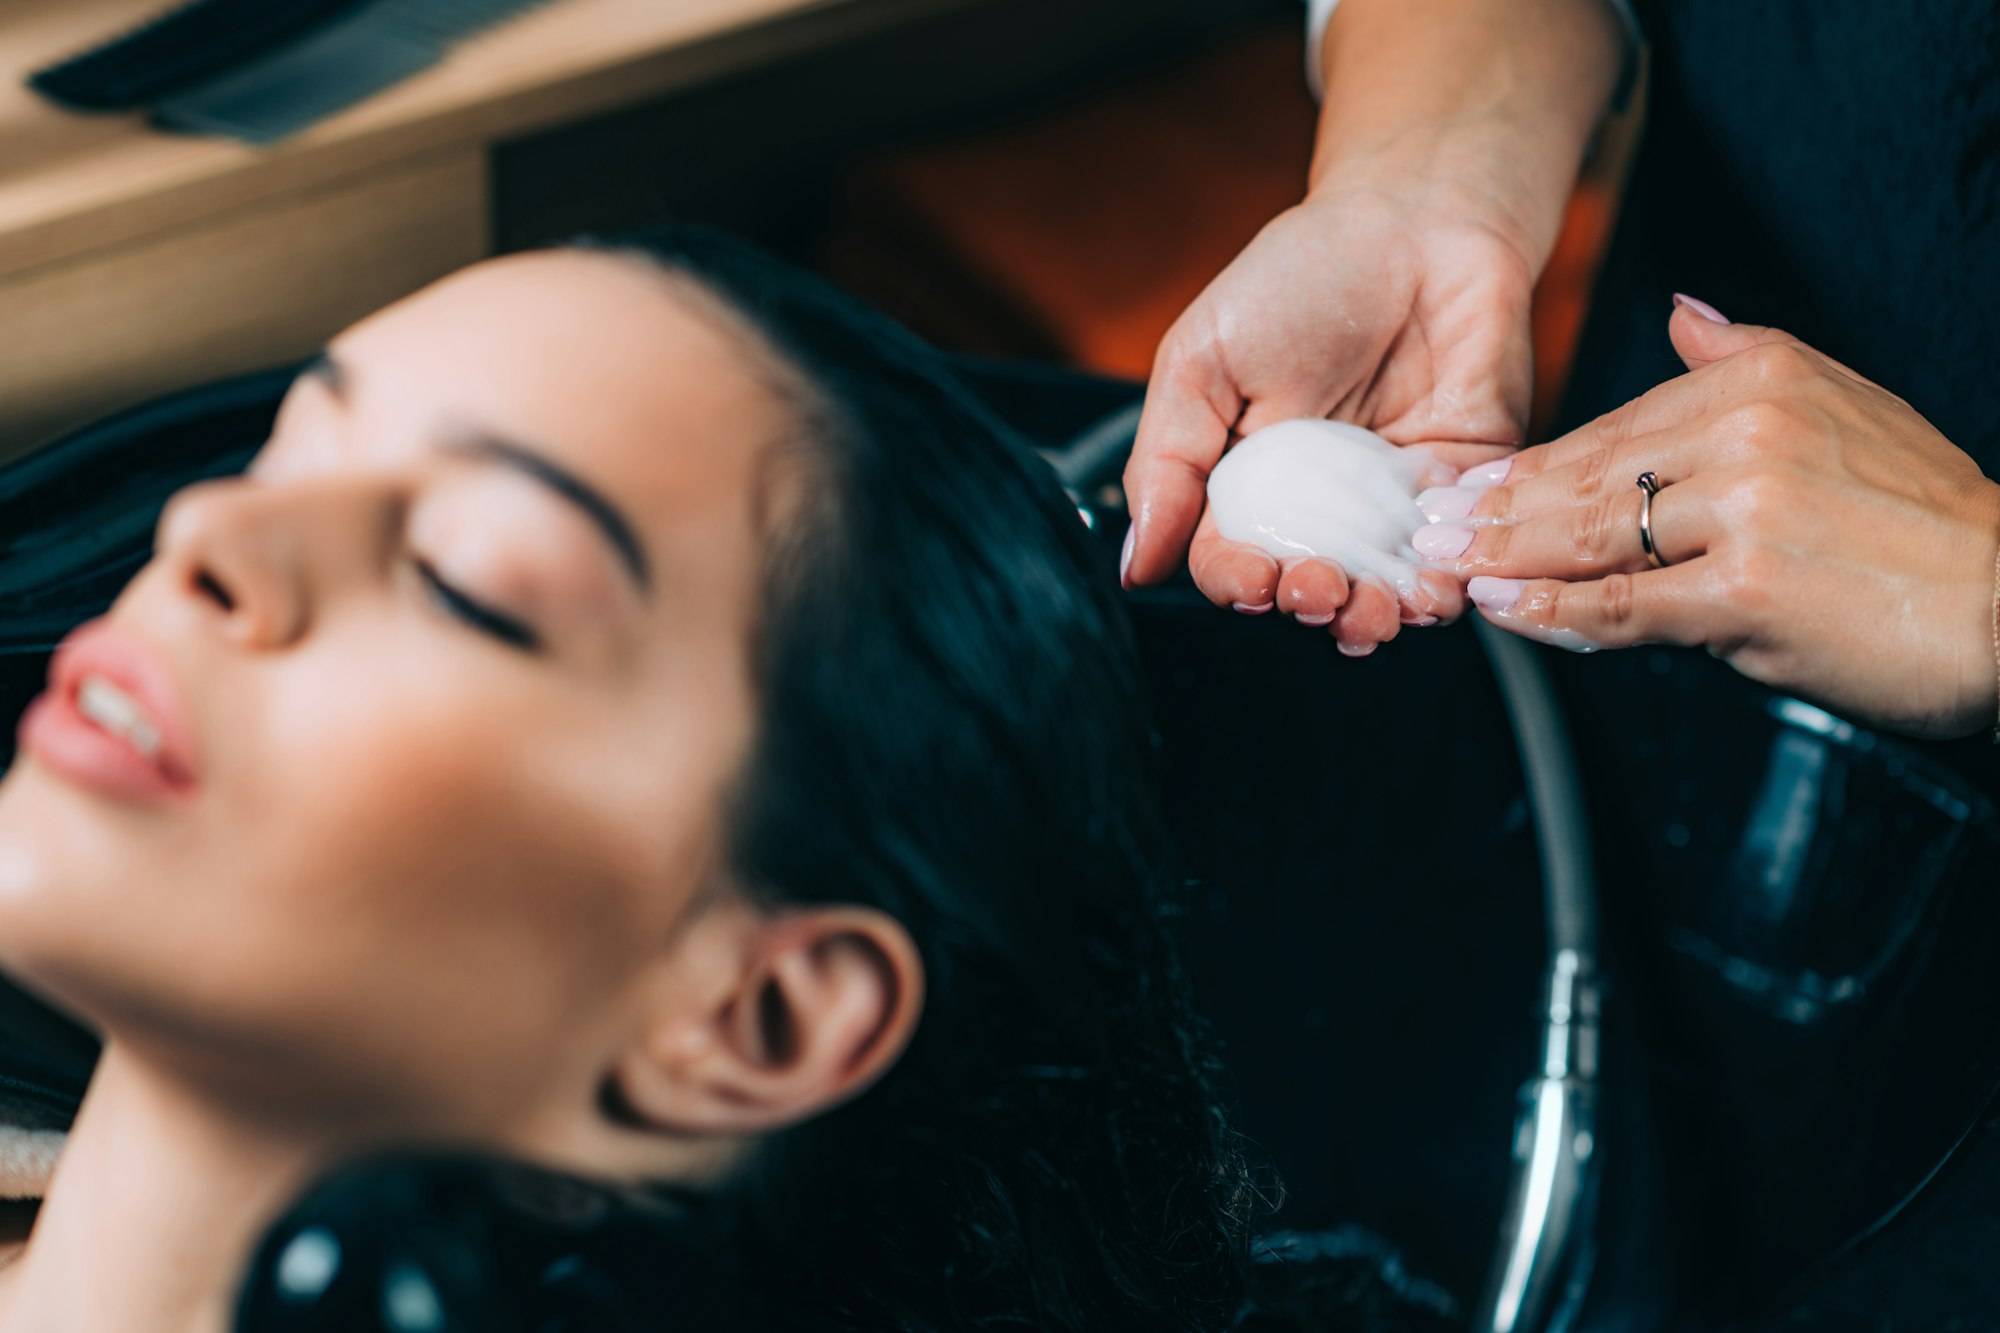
pixel 1324 488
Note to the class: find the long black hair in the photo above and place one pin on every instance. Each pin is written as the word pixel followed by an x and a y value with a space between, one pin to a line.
pixel 952 730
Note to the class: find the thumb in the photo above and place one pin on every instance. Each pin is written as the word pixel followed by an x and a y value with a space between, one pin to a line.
pixel 1703 335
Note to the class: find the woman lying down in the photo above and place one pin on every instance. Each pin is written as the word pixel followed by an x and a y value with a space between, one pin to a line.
pixel 638 716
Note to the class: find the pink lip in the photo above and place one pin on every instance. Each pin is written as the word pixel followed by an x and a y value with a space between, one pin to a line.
pixel 55 731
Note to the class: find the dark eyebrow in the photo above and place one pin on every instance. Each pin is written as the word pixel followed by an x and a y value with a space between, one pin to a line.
pixel 475 442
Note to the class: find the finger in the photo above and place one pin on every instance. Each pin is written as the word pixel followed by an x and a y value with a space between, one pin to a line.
pixel 1672 406
pixel 1369 618
pixel 1438 599
pixel 1674 605
pixel 1183 428
pixel 1702 336
pixel 1671 456
pixel 1580 541
pixel 1229 573
pixel 1311 590
pixel 1704 342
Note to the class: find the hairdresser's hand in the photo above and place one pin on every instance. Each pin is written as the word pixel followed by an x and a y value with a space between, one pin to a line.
pixel 1821 536
pixel 1383 305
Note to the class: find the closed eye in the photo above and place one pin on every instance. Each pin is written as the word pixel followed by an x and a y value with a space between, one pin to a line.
pixel 508 630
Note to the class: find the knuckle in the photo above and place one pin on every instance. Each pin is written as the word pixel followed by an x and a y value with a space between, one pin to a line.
pixel 1178 358
pixel 1612 430
pixel 1759 497
pixel 1588 482
pixel 1760 422
pixel 1542 602
pixel 1526 463
pixel 1750 575
pixel 1590 536
pixel 1779 364
pixel 1615 605
pixel 1191 348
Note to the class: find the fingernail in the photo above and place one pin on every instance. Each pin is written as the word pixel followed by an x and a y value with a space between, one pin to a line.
pixel 1350 650
pixel 1418 622
pixel 1125 558
pixel 1491 594
pixel 1486 474
pixel 1442 541
pixel 1303 619
pixel 1249 610
pixel 1699 306
pixel 1441 503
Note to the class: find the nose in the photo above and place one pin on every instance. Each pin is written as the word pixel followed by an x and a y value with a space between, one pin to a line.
pixel 252 558
pixel 218 544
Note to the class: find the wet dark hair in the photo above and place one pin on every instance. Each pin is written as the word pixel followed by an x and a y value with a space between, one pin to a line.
pixel 952 730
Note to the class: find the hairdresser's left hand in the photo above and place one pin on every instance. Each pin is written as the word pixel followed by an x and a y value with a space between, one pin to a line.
pixel 1822 537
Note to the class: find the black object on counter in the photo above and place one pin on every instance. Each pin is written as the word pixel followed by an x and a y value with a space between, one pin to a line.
pixel 179 49
pixel 258 71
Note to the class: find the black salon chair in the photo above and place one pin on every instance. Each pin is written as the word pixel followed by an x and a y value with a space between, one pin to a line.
pixel 1797 1021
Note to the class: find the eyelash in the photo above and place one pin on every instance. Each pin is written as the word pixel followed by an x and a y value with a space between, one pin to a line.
pixel 504 628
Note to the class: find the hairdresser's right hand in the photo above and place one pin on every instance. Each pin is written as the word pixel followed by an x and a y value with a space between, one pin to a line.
pixel 1389 302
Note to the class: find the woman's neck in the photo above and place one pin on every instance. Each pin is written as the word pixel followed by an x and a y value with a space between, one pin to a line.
pixel 152 1211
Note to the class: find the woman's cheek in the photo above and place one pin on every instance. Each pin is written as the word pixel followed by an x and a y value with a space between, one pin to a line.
pixel 380 758
pixel 427 856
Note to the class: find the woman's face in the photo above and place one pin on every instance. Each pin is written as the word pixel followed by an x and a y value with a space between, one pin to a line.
pixel 422 866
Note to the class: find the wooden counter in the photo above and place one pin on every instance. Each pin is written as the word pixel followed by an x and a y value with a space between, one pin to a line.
pixel 134 261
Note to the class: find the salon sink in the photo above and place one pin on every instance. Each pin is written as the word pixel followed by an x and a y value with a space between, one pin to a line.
pixel 1799 1016
pixel 1800 937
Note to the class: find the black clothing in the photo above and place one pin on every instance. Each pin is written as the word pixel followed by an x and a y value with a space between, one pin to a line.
pixel 1830 167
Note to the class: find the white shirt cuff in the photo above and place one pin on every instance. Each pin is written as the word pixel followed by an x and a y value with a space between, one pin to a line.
pixel 1317 13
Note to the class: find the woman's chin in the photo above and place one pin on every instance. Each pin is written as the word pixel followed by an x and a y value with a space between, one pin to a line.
pixel 64 864
pixel 22 860
pixel 18 876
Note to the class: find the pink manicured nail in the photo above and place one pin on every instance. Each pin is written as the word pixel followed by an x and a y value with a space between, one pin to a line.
pixel 1252 610
pixel 1700 307
pixel 1125 559
pixel 1326 619
pixel 1443 503
pixel 1491 594
pixel 1418 622
pixel 1442 541
pixel 1361 651
pixel 1486 474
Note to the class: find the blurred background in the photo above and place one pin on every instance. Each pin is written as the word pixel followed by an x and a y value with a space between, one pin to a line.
pixel 1025 178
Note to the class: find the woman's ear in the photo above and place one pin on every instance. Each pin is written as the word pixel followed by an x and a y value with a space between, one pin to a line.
pixel 814 1006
